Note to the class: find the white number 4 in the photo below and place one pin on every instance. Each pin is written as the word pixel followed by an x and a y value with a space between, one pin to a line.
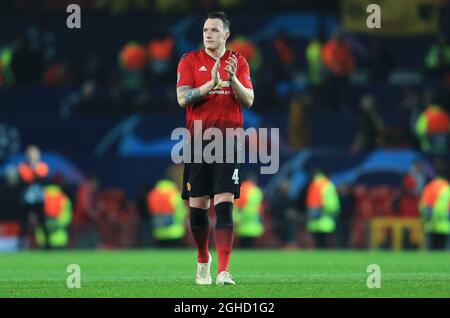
pixel 235 176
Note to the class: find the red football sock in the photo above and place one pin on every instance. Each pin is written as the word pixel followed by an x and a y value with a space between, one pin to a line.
pixel 224 234
pixel 200 231
pixel 224 246
pixel 202 240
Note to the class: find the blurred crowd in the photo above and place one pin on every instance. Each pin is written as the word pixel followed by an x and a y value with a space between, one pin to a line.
pixel 295 79
pixel 143 81
pixel 53 214
pixel 124 7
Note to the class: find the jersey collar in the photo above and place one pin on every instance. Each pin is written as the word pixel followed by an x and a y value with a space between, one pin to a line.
pixel 225 54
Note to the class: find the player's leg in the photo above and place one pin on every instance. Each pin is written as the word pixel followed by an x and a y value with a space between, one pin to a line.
pixel 196 188
pixel 320 240
pixel 24 226
pixel 199 207
pixel 42 220
pixel 200 225
pixel 434 241
pixel 224 234
pixel 226 189
pixel 246 242
pixel 224 231
pixel 441 241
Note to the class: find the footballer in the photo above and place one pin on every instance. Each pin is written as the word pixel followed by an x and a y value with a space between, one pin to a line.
pixel 213 84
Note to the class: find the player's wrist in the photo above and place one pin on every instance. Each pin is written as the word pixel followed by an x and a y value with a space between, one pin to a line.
pixel 211 85
pixel 234 79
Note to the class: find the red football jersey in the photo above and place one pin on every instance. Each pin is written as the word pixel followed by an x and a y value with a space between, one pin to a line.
pixel 219 108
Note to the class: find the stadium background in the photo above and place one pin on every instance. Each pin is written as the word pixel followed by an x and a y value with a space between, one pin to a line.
pixel 73 94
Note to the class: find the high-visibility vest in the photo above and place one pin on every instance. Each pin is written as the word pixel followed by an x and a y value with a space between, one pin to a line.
pixel 338 57
pixel 248 209
pixel 248 50
pixel 168 211
pixel 437 55
pixel 161 49
pixel 322 198
pixel 58 210
pixel 29 173
pixel 284 51
pixel 133 57
pixel 54 200
pixel 314 197
pixel 434 206
pixel 244 47
pixel 160 201
pixel 314 60
pixel 434 120
pixel 6 73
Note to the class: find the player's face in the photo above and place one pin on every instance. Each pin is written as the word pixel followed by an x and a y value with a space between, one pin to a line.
pixel 214 35
pixel 33 154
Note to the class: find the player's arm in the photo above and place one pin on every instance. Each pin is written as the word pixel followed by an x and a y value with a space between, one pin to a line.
pixel 187 95
pixel 244 95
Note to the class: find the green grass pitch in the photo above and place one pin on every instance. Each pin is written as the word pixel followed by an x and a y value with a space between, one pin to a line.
pixel 265 273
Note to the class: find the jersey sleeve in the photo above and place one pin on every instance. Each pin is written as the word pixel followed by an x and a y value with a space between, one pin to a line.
pixel 185 76
pixel 243 73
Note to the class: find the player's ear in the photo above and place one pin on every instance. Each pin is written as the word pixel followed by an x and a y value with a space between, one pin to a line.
pixel 227 35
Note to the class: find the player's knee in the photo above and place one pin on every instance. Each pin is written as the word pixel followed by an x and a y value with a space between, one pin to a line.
pixel 200 202
pixel 224 215
pixel 199 219
pixel 223 197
